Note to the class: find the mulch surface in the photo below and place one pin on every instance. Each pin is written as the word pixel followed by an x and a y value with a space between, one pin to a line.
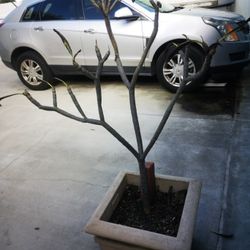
pixel 164 216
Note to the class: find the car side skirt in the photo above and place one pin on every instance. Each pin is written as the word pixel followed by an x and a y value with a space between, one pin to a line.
pixel 107 70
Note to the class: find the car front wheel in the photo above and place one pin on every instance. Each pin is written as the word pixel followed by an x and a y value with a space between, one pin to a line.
pixel 33 71
pixel 170 66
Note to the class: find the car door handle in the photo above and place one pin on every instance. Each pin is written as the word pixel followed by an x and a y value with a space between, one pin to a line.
pixel 40 28
pixel 90 31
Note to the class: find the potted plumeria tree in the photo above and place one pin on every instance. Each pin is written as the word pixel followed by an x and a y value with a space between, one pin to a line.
pixel 162 208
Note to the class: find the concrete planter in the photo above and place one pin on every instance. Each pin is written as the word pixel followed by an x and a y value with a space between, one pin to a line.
pixel 112 236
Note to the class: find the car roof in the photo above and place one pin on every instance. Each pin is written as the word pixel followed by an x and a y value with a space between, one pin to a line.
pixel 16 14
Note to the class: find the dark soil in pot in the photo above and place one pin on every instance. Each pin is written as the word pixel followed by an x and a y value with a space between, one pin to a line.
pixel 164 217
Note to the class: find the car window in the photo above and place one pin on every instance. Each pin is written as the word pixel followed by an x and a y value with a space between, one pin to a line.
pixel 60 10
pixel 31 13
pixel 92 12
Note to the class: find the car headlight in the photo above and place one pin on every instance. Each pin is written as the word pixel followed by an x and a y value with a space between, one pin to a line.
pixel 224 27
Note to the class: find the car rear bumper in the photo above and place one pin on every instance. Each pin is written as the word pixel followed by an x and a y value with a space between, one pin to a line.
pixel 8 64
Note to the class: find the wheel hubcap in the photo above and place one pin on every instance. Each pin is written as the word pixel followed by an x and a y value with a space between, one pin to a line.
pixel 31 72
pixel 174 68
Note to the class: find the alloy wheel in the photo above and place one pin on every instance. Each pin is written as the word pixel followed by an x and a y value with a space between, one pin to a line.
pixel 173 69
pixel 31 72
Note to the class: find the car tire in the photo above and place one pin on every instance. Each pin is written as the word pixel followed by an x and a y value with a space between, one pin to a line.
pixel 30 68
pixel 169 67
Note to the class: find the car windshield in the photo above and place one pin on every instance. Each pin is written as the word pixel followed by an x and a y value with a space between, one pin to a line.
pixel 147 5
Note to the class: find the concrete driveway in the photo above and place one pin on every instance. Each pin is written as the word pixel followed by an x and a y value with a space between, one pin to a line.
pixel 54 171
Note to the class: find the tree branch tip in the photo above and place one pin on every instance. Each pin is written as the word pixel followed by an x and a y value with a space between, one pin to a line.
pixel 159 4
pixel 186 37
pixel 76 54
pixel 175 44
pixel 63 82
pixel 203 43
pixel 156 4
pixel 46 82
pixel 189 40
pixel 26 93
pixel 7 96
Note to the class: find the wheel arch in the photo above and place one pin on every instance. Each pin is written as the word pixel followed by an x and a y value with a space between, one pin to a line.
pixel 18 51
pixel 31 79
pixel 163 47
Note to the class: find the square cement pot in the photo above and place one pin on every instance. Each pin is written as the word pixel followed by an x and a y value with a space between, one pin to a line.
pixel 112 236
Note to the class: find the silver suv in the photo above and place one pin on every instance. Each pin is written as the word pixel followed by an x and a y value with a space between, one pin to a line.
pixel 29 45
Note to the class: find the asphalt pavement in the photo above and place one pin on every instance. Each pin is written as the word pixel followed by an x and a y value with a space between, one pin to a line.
pixel 54 171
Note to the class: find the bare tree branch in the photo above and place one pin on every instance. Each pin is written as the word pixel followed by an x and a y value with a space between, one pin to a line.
pixel 149 43
pixel 7 96
pixel 105 125
pixel 240 26
pixel 114 45
pixel 95 78
pixel 69 49
pixel 105 6
pixel 56 109
pixel 98 81
pixel 209 52
pixel 131 89
pixel 95 3
pixel 113 4
pixel 121 139
pixel 74 99
pixel 170 105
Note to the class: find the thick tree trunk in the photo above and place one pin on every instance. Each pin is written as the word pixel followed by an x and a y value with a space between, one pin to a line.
pixel 145 197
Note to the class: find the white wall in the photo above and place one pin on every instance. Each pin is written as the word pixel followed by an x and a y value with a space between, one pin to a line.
pixel 242 7
pixel 205 3
pixel 239 6
pixel 6 8
pixel 193 3
pixel 225 2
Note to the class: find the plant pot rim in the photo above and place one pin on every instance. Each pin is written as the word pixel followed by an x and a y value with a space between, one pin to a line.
pixel 147 239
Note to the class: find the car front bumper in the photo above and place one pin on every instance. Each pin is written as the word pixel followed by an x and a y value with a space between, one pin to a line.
pixel 231 55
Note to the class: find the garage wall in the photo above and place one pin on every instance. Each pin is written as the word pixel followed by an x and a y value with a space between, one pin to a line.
pixel 5 9
pixel 194 3
pixel 204 3
pixel 242 7
pixel 225 2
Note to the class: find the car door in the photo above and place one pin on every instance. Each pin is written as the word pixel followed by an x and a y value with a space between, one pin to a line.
pixel 64 16
pixel 127 32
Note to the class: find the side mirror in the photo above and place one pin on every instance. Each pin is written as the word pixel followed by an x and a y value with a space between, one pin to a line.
pixel 125 13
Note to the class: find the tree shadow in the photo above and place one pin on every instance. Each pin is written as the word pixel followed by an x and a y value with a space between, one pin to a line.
pixel 205 100
pixel 214 100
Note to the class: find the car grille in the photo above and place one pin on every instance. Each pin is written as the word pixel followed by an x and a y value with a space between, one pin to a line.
pixel 238 56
